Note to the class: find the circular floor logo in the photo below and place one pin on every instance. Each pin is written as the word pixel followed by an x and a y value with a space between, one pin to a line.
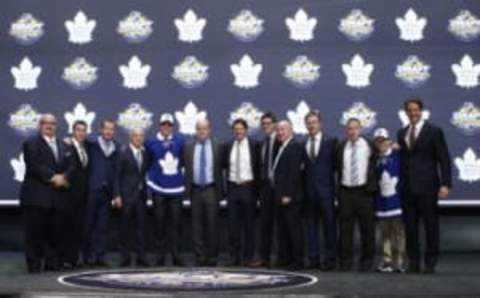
pixel 188 280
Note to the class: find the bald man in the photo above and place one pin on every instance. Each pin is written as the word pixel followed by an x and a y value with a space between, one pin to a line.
pixel 49 170
pixel 129 192
pixel 204 187
pixel 287 187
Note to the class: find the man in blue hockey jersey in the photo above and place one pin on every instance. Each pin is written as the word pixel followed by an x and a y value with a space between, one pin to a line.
pixel 388 207
pixel 166 181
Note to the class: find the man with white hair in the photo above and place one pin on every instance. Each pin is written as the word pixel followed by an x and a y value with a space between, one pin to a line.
pixel 129 191
pixel 49 169
pixel 285 178
pixel 204 187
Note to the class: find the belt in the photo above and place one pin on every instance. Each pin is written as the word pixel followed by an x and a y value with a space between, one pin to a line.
pixel 361 187
pixel 203 186
pixel 246 183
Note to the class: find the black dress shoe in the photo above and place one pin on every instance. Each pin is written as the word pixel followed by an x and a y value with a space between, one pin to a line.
pixel 327 266
pixel 102 263
pixel 178 262
pixel 235 262
pixel 51 266
pixel 160 262
pixel 126 263
pixel 413 269
pixel 429 269
pixel 345 267
pixel 211 263
pixel 366 267
pixel 296 267
pixel 141 262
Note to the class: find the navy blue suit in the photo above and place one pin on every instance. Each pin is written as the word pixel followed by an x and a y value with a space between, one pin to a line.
pixel 320 199
pixel 101 171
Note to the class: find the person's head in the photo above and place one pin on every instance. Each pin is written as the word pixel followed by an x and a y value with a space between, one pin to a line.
pixel 354 129
pixel 414 109
pixel 203 130
pixel 284 130
pixel 382 140
pixel 137 137
pixel 48 125
pixel 313 122
pixel 79 131
pixel 267 121
pixel 240 129
pixel 107 129
pixel 166 124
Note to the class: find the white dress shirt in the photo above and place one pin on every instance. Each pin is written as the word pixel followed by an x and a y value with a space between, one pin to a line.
pixel 244 167
pixel 107 146
pixel 418 129
pixel 362 157
pixel 52 143
pixel 82 153
pixel 317 138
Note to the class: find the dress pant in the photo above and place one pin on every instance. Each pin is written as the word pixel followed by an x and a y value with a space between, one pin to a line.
pixel 356 204
pixel 242 205
pixel 267 216
pixel 321 209
pixel 74 230
pixel 133 216
pixel 168 220
pixel 417 207
pixel 43 237
pixel 205 223
pixel 289 235
pixel 97 216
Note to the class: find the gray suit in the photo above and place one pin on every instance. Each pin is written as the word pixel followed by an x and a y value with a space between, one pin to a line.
pixel 204 203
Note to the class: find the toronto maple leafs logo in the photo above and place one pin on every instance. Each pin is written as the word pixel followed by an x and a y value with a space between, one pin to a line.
pixel 388 185
pixel 357 26
pixel 297 117
pixel 413 72
pixel 135 74
pixel 467 118
pixel 301 26
pixel 135 116
pixel 467 73
pixel 80 29
pixel 360 111
pixel 190 27
pixel 246 72
pixel 246 26
pixel 18 167
pixel 169 164
pixel 27 29
pixel 190 72
pixel 79 112
pixel 26 75
pixel 468 166
pixel 302 72
pixel 465 26
pixel 248 112
pixel 357 72
pixel 80 74
pixel 189 117
pixel 402 115
pixel 135 27
pixel 25 119
pixel 411 26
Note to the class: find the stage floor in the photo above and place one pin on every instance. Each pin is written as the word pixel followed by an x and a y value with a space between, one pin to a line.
pixel 457 275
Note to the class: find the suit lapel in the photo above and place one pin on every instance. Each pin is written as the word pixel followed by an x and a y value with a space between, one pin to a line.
pixel 49 149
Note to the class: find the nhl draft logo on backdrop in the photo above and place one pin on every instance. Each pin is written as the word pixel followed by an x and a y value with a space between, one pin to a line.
pixel 246 26
pixel 190 72
pixel 302 72
pixel 135 116
pixel 27 29
pixel 467 118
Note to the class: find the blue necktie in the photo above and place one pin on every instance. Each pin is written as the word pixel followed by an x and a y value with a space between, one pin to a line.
pixel 203 165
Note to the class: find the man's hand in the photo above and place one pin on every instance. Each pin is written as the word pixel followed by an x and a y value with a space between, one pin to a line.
pixel 286 200
pixel 117 202
pixel 443 192
pixel 59 180
pixel 68 140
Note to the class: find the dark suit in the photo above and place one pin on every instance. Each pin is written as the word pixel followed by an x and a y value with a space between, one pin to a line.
pixel 204 202
pixel 44 206
pixel 101 171
pixel 425 167
pixel 356 203
pixel 78 193
pixel 320 199
pixel 287 183
pixel 242 203
pixel 130 185
pixel 267 148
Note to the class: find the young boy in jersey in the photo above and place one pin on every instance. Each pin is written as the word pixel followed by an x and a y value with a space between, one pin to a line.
pixel 388 203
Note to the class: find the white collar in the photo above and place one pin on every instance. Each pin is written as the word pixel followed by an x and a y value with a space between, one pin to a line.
pixel 76 143
pixel 162 138
pixel 135 149
pixel 388 152
pixel 317 136
pixel 419 125
pixel 49 139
